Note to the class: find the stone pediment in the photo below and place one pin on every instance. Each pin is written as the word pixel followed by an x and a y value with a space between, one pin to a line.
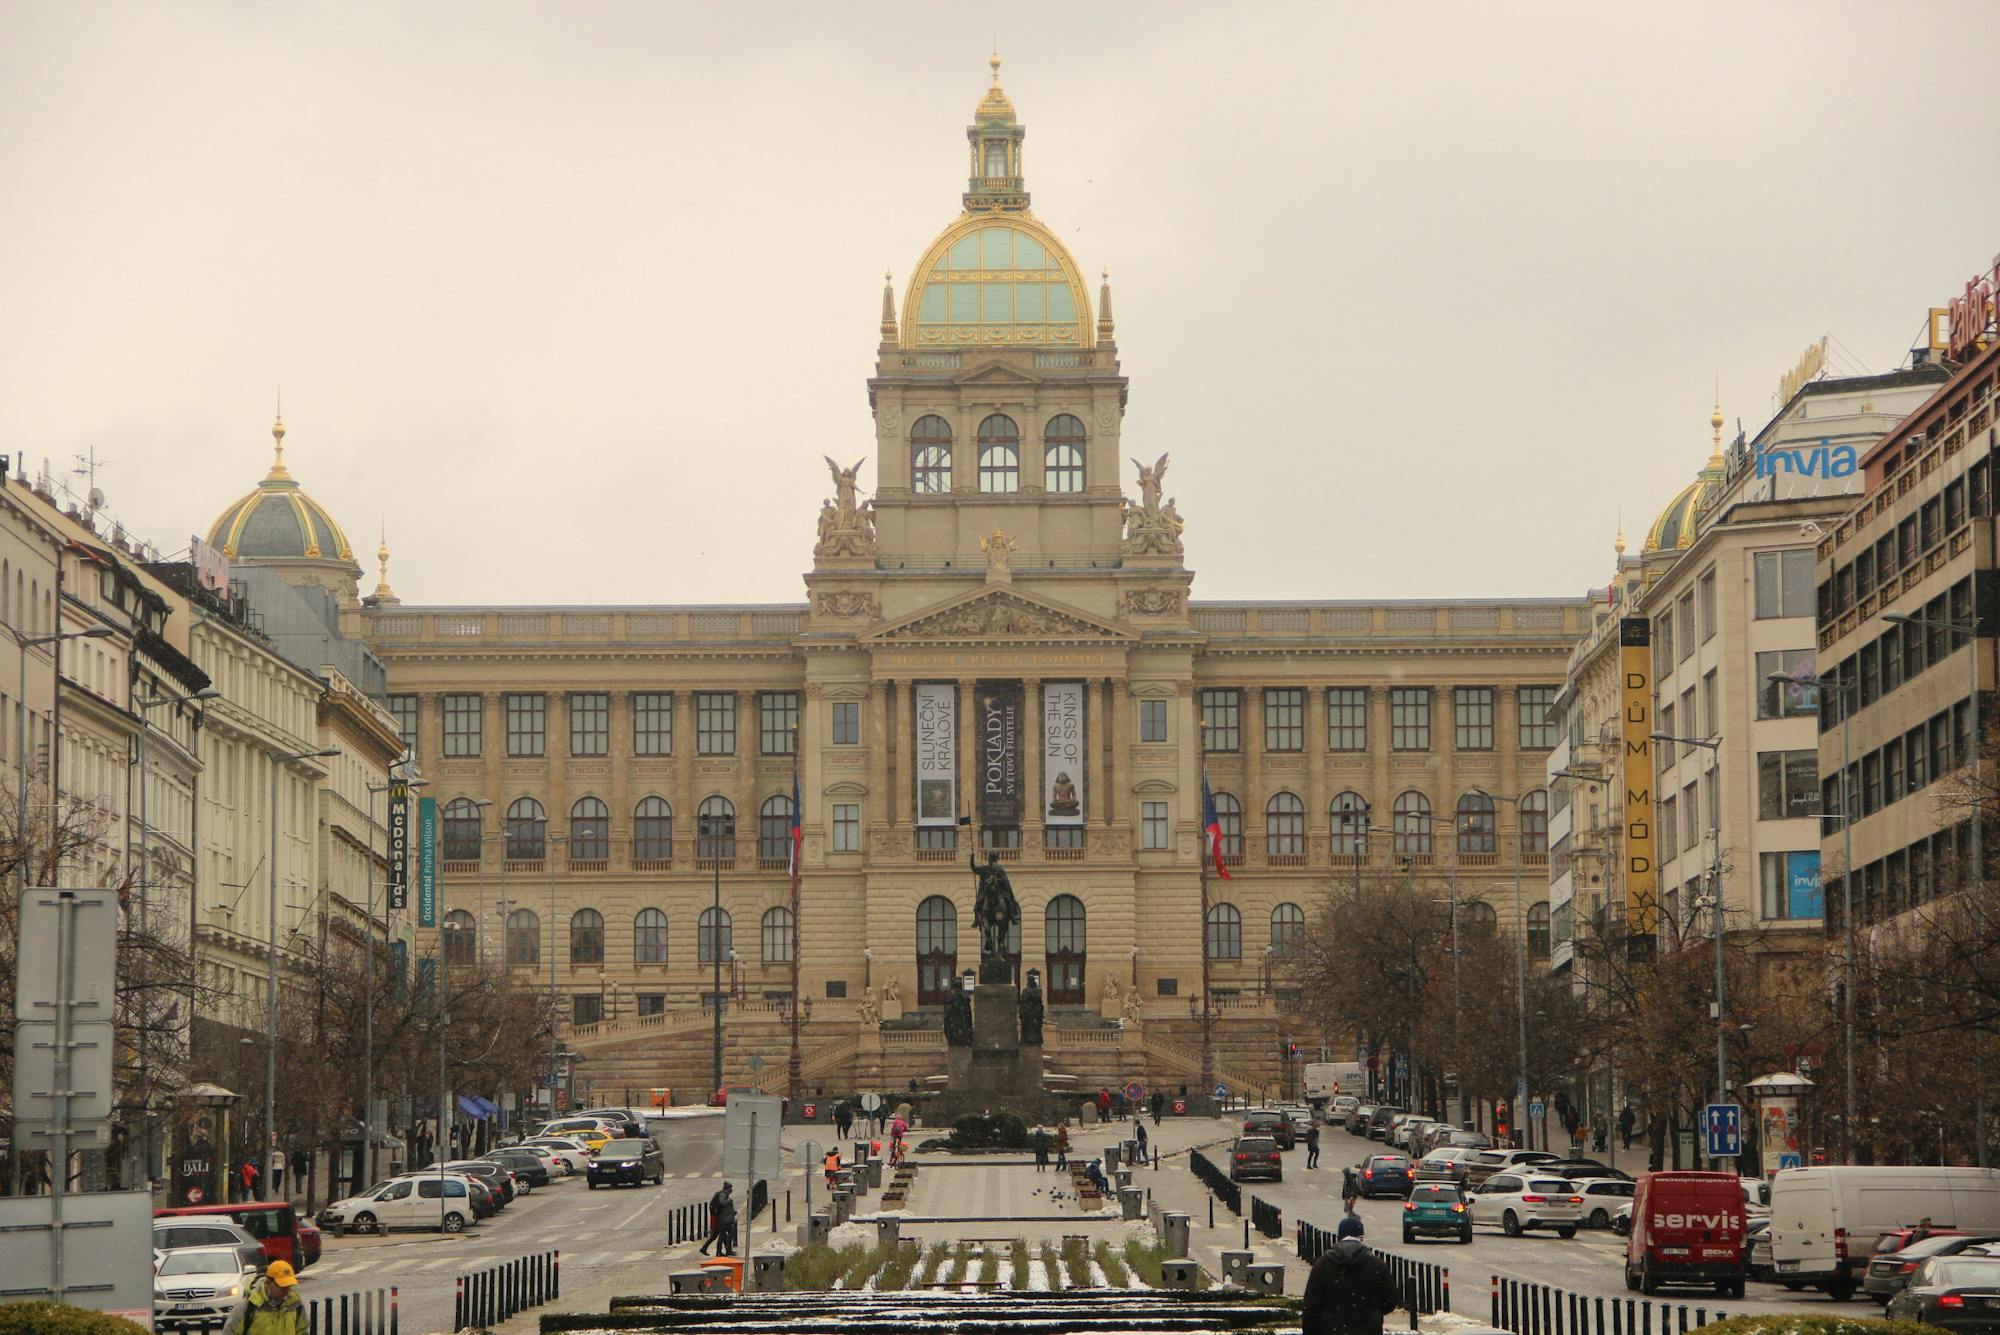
pixel 996 373
pixel 1003 614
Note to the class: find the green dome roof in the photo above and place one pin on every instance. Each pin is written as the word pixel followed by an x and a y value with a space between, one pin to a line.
pixel 278 521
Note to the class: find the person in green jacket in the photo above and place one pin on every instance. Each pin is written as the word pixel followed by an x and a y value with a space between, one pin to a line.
pixel 272 1306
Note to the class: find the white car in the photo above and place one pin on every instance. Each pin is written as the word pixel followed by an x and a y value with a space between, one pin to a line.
pixel 404 1202
pixel 1518 1201
pixel 1602 1198
pixel 573 1155
pixel 198 1286
pixel 1341 1108
pixel 1410 1128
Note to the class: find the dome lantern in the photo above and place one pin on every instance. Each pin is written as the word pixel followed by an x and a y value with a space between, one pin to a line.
pixel 995 180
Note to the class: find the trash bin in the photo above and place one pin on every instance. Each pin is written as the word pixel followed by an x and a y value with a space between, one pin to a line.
pixel 728 1272
pixel 767 1272
pixel 887 1230
pixel 1174 1234
pixel 1234 1263
pixel 814 1230
pixel 1131 1202
pixel 1264 1277
pixel 1177 1273
pixel 691 1281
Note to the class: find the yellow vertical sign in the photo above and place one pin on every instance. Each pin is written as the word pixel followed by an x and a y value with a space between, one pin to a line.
pixel 1635 662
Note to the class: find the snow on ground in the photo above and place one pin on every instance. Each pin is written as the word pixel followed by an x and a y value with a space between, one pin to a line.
pixel 851 1234
pixel 1098 1278
pixel 1038 1274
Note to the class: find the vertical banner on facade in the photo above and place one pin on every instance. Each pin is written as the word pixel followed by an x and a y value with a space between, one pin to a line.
pixel 937 753
pixel 999 753
pixel 1803 895
pixel 427 844
pixel 1062 753
pixel 1635 661
pixel 399 845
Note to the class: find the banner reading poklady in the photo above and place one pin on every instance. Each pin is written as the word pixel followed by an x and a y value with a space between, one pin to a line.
pixel 1062 753
pixel 1000 753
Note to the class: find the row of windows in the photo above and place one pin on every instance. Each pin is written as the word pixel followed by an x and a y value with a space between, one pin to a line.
pixel 526 830
pixel 1901 654
pixel 1904 765
pixel 999 442
pixel 714 938
pixel 1905 879
pixel 526 716
pixel 1474 716
pixel 1349 822
pixel 1908 545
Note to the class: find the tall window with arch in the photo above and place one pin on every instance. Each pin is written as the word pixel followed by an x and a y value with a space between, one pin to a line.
pixel 1285 826
pixel 715 830
pixel 1476 825
pixel 1347 821
pixel 589 831
pixel 774 831
pixel 1225 932
pixel 1535 823
pixel 652 834
pixel 1288 930
pixel 1476 915
pixel 1410 821
pixel 930 455
pixel 527 830
pixel 937 950
pixel 999 455
pixel 586 937
pixel 462 833
pixel 649 937
pixel 1062 455
pixel 524 937
pixel 777 932
pixel 1229 815
pixel 1063 925
pixel 1538 929
pixel 714 940
pixel 459 937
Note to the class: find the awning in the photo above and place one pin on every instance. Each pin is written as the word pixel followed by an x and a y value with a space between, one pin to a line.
pixel 476 1108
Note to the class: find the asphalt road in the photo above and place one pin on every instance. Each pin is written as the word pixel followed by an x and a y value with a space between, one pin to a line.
pixel 596 1231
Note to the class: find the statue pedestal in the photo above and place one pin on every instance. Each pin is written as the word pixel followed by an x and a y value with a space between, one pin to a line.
pixel 997 1072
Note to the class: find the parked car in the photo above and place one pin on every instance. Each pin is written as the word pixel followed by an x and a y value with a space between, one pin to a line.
pixel 1488 1162
pixel 1404 1133
pixel 1378 1121
pixel 1301 1120
pixel 1256 1158
pixel 1756 1198
pixel 1757 1259
pixel 1436 1208
pixel 172 1235
pixel 594 1130
pixel 622 1161
pixel 1601 1197
pixel 569 1151
pixel 1574 1169
pixel 426 1201
pixel 1269 1122
pixel 198 1286
pixel 1434 1136
pixel 1889 1271
pixel 1823 1219
pixel 310 1241
pixel 1385 1175
pixel 1520 1200
pixel 1340 1108
pixel 527 1166
pixel 1958 1292
pixel 1446 1165
pixel 1687 1228
pixel 1357 1121
pixel 492 1173
pixel 275 1224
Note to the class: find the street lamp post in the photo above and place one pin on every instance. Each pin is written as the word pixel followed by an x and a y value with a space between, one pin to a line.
pixel 278 764
pixel 1359 830
pixel 1713 745
pixel 1520 973
pixel 1970 630
pixel 709 826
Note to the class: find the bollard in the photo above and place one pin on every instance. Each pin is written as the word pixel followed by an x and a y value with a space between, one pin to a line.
pixel 875 1173
pixel 1234 1264
pixel 1124 1177
pixel 1110 1156
pixel 1130 1202
pixel 814 1230
pixel 788 1205
pixel 768 1272
pixel 887 1230
pixel 1175 1237
pixel 1177 1273
pixel 1265 1277
pixel 843 1207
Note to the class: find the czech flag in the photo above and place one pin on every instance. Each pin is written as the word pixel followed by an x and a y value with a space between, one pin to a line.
pixel 798 830
pixel 1212 823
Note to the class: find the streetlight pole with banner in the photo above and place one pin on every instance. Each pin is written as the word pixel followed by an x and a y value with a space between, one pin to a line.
pixel 270 1149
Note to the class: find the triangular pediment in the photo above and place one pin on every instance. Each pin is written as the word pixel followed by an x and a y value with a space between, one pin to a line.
pixel 1003 614
pixel 996 373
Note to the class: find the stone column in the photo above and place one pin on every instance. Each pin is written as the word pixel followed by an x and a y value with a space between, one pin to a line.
pixel 1115 769
pixel 968 760
pixel 618 752
pixel 746 779
pixel 879 808
pixel 1253 775
pixel 1031 757
pixel 1382 784
pixel 906 755
pixel 1315 795
pixel 1097 780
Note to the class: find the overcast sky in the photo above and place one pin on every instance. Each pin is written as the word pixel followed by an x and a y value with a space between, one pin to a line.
pixel 574 296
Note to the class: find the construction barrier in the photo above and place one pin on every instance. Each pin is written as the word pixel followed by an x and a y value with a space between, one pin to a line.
pixel 1540 1309
pixel 363 1312
pixel 486 1297
pixel 1267 1218
pixel 1216 1180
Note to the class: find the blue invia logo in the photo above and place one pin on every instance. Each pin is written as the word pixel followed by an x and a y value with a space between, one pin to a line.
pixel 1822 460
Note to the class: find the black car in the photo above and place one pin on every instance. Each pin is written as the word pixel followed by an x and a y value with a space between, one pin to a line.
pixel 623 1161
pixel 1378 1121
pixel 1578 1169
pixel 1256 1157
pixel 1385 1175
pixel 528 1167
pixel 493 1173
pixel 1957 1292
pixel 1888 1272
pixel 1272 1123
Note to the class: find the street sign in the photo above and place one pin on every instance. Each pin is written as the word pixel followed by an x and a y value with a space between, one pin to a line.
pixel 399 845
pixel 1402 1065
pixel 809 1153
pixel 1222 1091
pixel 871 1102
pixel 755 1062
pixel 106 1260
pixel 750 1126
pixel 1134 1091
pixel 1722 1128
pixel 67 952
pixel 427 885
pixel 809 1111
pixel 1537 1111
pixel 1788 1159
pixel 1180 1107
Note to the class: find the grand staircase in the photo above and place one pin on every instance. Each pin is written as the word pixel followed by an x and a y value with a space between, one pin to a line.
pixel 1002 1312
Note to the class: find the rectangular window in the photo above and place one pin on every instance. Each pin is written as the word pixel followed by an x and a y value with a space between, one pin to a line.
pixel 1409 718
pixel 1166 987
pixel 1670 829
pixel 1347 718
pixel 403 708
pixel 1539 730
pixel 1707 595
pixel 1222 720
pixel 846 827
pixel 1663 645
pixel 1285 720
pixel 1152 720
pixel 1795 697
pixel 1153 825
pixel 847 723
pixel 1917 757
pixel 778 722
pixel 462 715
pixel 1684 624
pixel 715 723
pixel 1784 583
pixel 1472 718
pixel 653 723
pixel 1774 881
pixel 1871 783
pixel 1787 784
pixel 587 1007
pixel 1690 714
pixel 836 988
pixel 590 724
pixel 652 1003
pixel 527 724
pixel 1663 752
pixel 1690 817
pixel 1710 711
pixel 1892 771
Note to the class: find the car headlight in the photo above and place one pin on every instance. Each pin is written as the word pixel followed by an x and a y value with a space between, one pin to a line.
pixel 235 1291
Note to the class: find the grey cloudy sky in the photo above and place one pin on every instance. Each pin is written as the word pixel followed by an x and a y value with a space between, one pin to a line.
pixel 574 296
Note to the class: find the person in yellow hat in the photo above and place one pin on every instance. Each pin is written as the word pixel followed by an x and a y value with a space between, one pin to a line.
pixel 272 1306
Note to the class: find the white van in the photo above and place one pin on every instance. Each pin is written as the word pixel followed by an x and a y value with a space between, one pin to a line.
pixel 403 1202
pixel 1824 1221
pixel 1323 1080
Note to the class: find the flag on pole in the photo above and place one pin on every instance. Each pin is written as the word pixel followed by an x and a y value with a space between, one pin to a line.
pixel 798 831
pixel 1212 823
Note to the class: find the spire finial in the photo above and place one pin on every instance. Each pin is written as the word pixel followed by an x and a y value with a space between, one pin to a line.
pixel 1715 425
pixel 889 334
pixel 383 593
pixel 278 473
pixel 1619 546
pixel 1106 327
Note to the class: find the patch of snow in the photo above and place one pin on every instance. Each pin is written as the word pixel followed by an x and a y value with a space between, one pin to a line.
pixel 683 1112
pixel 1038 1274
pixel 851 1234
pixel 777 1247
pixel 921 1270
pixel 1098 1279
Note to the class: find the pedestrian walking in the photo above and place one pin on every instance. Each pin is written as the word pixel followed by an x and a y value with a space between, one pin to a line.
pixel 725 1224
pixel 1041 1143
pixel 1350 1189
pixel 271 1307
pixel 1598 1127
pixel 1103 1104
pixel 1312 1145
pixel 1626 1117
pixel 1159 1106
pixel 1062 1146
pixel 842 1119
pixel 249 1179
pixel 1350 1290
pixel 715 1205
pixel 1141 1138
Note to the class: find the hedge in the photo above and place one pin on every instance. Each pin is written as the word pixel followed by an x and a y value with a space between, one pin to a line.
pixel 1814 1325
pixel 59 1319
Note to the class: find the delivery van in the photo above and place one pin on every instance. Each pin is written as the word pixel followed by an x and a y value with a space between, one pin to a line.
pixel 1323 1080
pixel 1687 1228
pixel 1824 1221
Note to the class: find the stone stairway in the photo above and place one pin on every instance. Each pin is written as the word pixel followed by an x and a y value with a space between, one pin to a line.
pixel 1158 1312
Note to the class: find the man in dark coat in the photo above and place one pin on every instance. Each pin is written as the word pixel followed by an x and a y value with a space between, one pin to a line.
pixel 1350 1290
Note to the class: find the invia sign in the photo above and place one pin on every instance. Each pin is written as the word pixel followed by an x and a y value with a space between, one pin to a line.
pixel 1822 460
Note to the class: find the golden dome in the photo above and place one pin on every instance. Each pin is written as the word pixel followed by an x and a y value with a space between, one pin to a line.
pixel 997 280
pixel 1675 528
pixel 278 521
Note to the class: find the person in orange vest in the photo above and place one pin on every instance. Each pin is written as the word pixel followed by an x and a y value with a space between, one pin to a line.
pixel 832 1166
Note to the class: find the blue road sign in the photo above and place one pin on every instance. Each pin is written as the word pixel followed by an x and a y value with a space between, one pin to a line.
pixel 1222 1091
pixel 1402 1065
pixel 1791 1161
pixel 1537 1110
pixel 1722 1128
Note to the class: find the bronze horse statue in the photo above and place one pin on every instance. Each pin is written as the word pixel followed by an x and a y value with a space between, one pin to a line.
pixel 996 913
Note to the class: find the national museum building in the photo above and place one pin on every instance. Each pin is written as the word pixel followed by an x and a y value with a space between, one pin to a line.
pixel 997 655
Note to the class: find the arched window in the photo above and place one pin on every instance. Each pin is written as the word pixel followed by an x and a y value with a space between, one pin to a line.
pixel 1225 932
pixel 1538 929
pixel 459 937
pixel 1535 824
pixel 1477 916
pixel 589 830
pixel 1062 454
pixel 1347 819
pixel 777 936
pixel 1410 820
pixel 930 455
pixel 1063 942
pixel 524 937
pixel 527 830
pixel 937 950
pixel 649 937
pixel 999 454
pixel 652 833
pixel 1288 929
pixel 774 830
pixel 1285 826
pixel 586 937
pixel 461 830
pixel 714 937
pixel 1229 814
pixel 1476 824
pixel 715 830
